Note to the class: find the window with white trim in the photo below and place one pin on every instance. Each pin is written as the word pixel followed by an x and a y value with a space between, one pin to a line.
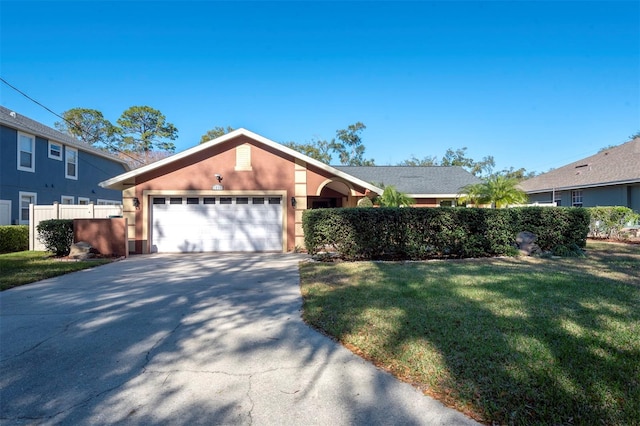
pixel 83 201
pixel 576 198
pixel 26 198
pixel 55 151
pixel 557 198
pixel 71 163
pixel 26 151
pixel 67 199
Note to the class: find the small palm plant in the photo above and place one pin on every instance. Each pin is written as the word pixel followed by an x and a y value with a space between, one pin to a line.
pixel 391 197
pixel 497 190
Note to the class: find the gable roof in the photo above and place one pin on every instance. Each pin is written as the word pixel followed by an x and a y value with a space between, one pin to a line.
pixel 120 181
pixel 19 122
pixel 416 181
pixel 613 166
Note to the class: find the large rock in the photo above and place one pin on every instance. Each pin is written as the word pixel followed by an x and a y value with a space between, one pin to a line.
pixel 526 242
pixel 81 250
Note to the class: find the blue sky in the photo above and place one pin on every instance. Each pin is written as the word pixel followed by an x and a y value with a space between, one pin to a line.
pixel 536 84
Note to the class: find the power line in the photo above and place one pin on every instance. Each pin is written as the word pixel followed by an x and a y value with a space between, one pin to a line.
pixel 33 100
pixel 71 123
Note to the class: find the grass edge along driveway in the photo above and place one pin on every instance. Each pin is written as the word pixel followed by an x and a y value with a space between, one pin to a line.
pixel 507 341
pixel 30 266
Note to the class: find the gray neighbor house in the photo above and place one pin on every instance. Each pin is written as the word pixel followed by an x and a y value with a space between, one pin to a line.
pixel 429 186
pixel 39 165
pixel 609 178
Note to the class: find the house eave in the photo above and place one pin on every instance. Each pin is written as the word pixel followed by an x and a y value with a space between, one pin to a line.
pixel 61 139
pixel 119 182
pixel 573 187
pixel 434 195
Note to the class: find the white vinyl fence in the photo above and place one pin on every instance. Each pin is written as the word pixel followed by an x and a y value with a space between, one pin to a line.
pixel 65 211
pixel 536 204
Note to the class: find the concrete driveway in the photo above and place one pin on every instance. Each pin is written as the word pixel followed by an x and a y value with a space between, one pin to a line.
pixel 187 339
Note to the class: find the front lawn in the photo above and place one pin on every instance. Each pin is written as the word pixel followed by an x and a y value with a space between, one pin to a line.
pixel 507 341
pixel 29 266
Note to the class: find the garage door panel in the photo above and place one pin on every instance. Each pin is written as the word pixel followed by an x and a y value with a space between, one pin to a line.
pixel 216 227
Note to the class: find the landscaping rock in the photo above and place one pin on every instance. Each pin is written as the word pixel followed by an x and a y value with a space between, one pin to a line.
pixel 526 242
pixel 81 250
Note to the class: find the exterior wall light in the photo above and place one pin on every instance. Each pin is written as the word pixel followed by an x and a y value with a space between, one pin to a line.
pixel 293 202
pixel 136 202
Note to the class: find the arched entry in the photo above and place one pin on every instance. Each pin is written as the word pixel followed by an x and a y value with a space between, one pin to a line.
pixel 331 193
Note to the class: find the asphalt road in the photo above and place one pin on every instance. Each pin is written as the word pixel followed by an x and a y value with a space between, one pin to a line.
pixel 187 339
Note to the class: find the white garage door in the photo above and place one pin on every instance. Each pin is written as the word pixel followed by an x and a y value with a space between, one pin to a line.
pixel 207 224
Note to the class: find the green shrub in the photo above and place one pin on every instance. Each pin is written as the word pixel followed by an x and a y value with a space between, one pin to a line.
pixel 365 202
pixel 14 238
pixel 56 235
pixel 554 226
pixel 607 222
pixel 568 251
pixel 421 233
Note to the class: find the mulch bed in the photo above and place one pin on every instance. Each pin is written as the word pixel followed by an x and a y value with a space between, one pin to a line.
pixel 630 240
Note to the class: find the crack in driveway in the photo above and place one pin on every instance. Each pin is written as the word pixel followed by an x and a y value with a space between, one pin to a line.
pixel 225 345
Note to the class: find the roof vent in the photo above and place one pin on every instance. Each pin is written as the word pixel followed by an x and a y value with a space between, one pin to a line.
pixel 581 166
pixel 12 114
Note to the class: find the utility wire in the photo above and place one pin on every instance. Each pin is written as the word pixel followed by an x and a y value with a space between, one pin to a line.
pixel 71 123
pixel 31 99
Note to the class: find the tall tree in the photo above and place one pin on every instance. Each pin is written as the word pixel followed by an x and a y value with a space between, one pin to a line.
pixel 483 167
pixel 456 157
pixel 138 159
pixel 424 162
pixel 316 149
pixel 608 147
pixel 145 129
pixel 216 132
pixel 89 126
pixel 518 174
pixel 349 146
pixel 459 158
pixel 497 190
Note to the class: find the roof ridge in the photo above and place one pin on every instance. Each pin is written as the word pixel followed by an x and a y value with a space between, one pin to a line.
pixel 22 122
pixel 606 167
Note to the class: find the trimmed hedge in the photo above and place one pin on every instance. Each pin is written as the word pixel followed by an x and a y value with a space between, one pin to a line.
pixel 56 235
pixel 14 238
pixel 423 233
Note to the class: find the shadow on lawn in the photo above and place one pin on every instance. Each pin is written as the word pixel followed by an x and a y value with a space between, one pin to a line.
pixel 180 339
pixel 519 344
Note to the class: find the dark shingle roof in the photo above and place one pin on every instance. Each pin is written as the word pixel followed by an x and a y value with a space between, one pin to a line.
pixel 17 121
pixel 432 180
pixel 620 164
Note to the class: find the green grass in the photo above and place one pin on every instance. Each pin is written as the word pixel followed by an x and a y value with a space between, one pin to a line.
pixel 29 266
pixel 507 341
